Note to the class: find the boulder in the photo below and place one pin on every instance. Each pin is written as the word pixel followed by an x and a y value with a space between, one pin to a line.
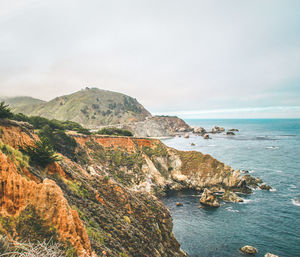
pixel 233 130
pixel 206 136
pixel 181 129
pixel 270 255
pixel 199 130
pixel 265 187
pixel 209 199
pixel 192 144
pixel 230 133
pixel 251 181
pixel 249 249
pixel 222 129
pixel 187 135
pixel 231 197
pixel 179 204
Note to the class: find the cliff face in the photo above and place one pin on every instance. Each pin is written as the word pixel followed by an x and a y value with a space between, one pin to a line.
pixel 79 204
pixel 148 165
pixel 156 126
pixel 104 203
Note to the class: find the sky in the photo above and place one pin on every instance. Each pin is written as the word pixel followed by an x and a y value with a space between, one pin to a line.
pixel 191 58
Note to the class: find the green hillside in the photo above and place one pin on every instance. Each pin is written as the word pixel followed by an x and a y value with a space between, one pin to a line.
pixel 90 107
pixel 24 104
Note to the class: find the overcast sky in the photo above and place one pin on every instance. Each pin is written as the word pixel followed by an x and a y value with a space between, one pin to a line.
pixel 206 59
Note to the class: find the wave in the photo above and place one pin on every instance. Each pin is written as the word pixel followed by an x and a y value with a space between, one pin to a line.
pixel 231 210
pixel 273 190
pixel 272 147
pixel 296 202
pixel 246 201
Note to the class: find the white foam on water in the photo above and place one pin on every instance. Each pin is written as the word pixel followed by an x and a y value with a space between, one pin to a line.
pixel 273 190
pixel 296 202
pixel 231 210
pixel 272 147
pixel 246 201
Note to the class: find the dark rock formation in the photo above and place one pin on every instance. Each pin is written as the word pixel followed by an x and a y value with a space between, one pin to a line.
pixel 209 199
pixel 231 197
pixel 230 133
pixel 265 187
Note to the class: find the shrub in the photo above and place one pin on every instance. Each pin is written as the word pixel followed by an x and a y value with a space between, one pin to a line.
pixel 5 111
pixel 41 153
pixel 115 131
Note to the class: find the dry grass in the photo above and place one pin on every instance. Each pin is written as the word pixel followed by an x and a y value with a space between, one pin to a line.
pixel 45 249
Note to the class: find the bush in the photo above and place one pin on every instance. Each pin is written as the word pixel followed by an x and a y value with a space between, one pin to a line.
pixel 115 131
pixel 5 111
pixel 41 153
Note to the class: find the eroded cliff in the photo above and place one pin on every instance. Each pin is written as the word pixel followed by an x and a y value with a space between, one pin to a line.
pixel 104 203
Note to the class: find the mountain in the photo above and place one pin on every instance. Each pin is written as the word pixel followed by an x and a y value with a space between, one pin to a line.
pixel 24 104
pixel 90 107
pixel 103 200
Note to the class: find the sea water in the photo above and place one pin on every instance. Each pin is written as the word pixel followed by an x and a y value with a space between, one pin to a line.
pixel 268 220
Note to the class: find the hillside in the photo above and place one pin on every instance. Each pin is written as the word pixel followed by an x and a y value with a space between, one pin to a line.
pixel 89 107
pixel 101 201
pixel 23 104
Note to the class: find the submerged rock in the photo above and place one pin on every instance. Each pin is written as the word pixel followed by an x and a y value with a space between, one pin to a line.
pixel 249 249
pixel 265 187
pixel 179 204
pixel 230 133
pixel 209 199
pixel 234 130
pixel 231 197
pixel 192 144
pixel 270 255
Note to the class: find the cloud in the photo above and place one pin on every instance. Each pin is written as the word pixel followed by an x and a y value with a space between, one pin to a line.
pixel 170 55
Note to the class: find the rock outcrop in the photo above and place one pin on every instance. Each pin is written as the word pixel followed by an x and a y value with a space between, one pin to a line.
pixel 229 196
pixel 248 249
pixel 209 199
pixel 270 255
pixel 156 126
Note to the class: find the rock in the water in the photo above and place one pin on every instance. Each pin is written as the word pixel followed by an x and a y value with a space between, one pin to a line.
pixel 199 130
pixel 209 199
pixel 231 197
pixel 249 249
pixel 230 133
pixel 270 255
pixel 251 181
pixel 244 171
pixel 186 135
pixel 233 130
pixel 179 204
pixel 265 187
pixel 192 144
pixel 206 136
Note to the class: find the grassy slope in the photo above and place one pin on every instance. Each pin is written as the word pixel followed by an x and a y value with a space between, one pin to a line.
pixel 23 104
pixel 89 107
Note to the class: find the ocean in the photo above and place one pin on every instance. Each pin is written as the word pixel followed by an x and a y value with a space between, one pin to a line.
pixel 268 220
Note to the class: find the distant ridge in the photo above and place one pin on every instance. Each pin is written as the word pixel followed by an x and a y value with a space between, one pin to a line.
pixel 90 107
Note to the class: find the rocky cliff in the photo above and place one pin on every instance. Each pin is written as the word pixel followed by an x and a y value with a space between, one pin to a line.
pixel 104 203
pixel 156 126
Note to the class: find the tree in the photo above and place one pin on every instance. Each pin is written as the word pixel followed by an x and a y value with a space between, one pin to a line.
pixel 41 153
pixel 5 111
